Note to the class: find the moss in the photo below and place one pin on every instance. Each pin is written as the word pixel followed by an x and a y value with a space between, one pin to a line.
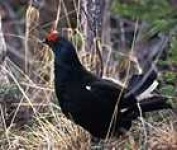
pixel 170 77
pixel 168 90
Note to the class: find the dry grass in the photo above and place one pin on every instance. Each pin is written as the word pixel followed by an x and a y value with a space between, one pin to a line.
pixel 49 130
pixel 163 138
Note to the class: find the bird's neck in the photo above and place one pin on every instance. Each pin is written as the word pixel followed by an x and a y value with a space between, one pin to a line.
pixel 67 68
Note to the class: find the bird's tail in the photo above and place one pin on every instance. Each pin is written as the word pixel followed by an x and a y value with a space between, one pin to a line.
pixel 155 103
pixel 141 86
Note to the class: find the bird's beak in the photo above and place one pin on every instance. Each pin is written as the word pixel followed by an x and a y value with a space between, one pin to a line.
pixel 44 41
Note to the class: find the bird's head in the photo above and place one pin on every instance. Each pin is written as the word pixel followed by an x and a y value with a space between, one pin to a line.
pixel 52 38
pixel 62 48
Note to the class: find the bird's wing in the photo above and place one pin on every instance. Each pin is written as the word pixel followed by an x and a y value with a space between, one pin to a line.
pixel 105 88
pixel 109 92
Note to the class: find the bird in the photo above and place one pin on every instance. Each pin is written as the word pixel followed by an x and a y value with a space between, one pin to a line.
pixel 98 105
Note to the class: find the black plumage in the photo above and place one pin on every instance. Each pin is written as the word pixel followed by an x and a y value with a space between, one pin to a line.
pixel 91 101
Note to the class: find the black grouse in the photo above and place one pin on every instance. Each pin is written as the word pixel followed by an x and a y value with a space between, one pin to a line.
pixel 96 104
